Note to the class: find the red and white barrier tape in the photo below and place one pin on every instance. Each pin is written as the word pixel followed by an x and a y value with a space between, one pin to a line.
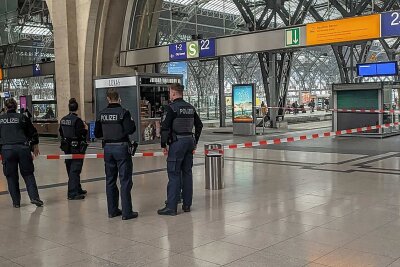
pixel 235 146
pixel 290 108
pixel 305 137
pixel 100 155
pixel 392 111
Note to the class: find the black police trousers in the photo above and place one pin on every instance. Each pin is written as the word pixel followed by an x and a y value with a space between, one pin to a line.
pixel 179 168
pixel 118 161
pixel 14 155
pixel 74 169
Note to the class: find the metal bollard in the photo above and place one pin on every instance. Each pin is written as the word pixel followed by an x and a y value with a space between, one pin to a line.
pixel 214 166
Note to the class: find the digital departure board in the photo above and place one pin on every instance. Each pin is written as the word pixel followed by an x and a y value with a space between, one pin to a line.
pixel 377 69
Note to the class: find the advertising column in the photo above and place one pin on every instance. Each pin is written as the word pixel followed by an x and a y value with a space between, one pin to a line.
pixel 243 109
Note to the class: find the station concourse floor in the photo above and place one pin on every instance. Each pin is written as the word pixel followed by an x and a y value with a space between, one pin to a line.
pixel 324 202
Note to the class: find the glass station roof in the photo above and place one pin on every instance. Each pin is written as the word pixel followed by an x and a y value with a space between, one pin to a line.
pixel 323 7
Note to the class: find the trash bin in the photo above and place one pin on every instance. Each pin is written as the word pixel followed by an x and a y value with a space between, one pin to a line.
pixel 214 166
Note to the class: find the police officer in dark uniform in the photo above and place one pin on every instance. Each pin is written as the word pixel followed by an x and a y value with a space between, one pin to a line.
pixel 73 133
pixel 115 124
pixel 18 138
pixel 176 131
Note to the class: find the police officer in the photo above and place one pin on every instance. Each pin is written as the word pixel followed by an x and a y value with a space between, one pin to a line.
pixel 18 138
pixel 73 133
pixel 176 131
pixel 115 124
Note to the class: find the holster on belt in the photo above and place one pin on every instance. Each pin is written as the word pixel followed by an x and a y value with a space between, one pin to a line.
pixel 133 145
pixel 82 147
pixel 172 138
pixel 65 146
pixel 30 145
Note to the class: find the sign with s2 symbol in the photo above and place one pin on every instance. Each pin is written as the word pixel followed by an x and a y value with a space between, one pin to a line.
pixel 192 49
pixel 390 24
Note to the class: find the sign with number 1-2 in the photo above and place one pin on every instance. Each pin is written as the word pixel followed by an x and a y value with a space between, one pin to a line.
pixel 390 24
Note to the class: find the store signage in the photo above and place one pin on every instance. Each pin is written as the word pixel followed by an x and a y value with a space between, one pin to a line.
pixel 292 37
pixel 115 82
pixel 243 103
pixel 344 30
pixel 390 24
pixel 193 49
pixel 1 74
pixel 5 94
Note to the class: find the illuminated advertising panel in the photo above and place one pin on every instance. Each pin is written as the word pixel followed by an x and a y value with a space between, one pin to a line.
pixel 243 100
pixel 344 30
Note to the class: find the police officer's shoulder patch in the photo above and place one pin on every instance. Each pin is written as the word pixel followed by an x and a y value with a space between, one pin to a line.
pixel 164 116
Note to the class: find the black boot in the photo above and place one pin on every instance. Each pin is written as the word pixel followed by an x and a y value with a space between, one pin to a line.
pixel 37 202
pixel 116 214
pixel 77 197
pixel 186 208
pixel 133 215
pixel 166 211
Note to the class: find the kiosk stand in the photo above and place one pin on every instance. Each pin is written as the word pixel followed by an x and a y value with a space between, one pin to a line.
pixel 144 95
pixel 243 111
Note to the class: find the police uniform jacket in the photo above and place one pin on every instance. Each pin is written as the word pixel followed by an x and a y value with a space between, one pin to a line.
pixel 178 119
pixel 16 128
pixel 114 124
pixel 72 128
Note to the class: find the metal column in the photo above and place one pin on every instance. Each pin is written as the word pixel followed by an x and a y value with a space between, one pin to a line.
pixel 272 88
pixel 221 87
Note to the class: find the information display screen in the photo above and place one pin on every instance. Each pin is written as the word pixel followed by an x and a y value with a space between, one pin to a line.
pixel 243 102
pixel 387 69
pixel 377 69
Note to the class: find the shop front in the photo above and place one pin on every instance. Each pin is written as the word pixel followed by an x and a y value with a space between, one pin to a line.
pixel 144 95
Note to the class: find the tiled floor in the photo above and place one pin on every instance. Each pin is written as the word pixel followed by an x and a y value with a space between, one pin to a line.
pixel 280 207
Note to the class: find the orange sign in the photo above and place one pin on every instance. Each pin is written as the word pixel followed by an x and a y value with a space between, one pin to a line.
pixel 1 74
pixel 344 30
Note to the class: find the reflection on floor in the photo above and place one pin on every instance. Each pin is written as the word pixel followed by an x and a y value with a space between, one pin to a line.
pixel 280 207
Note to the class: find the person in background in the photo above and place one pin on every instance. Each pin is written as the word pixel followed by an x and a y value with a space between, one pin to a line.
pixel 49 114
pixel 312 105
pixel 263 109
pixel 326 103
pixel 295 107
